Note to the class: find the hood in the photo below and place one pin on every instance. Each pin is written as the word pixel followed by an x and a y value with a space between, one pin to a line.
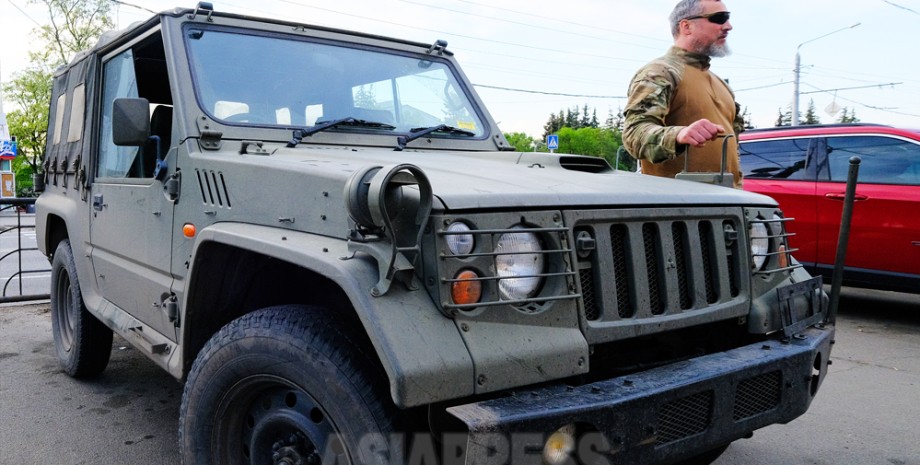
pixel 487 180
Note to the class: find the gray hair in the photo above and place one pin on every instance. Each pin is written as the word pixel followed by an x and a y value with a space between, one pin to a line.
pixel 683 10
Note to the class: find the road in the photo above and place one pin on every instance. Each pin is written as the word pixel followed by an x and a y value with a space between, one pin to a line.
pixel 867 412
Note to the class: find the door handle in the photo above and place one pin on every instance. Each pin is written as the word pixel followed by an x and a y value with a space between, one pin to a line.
pixel 97 202
pixel 841 195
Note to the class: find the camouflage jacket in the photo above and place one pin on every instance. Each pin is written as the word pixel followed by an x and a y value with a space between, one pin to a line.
pixel 653 118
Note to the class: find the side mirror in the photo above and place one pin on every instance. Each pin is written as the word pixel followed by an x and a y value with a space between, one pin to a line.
pixel 130 121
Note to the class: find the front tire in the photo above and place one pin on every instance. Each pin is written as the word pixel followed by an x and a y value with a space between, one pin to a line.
pixel 82 343
pixel 285 385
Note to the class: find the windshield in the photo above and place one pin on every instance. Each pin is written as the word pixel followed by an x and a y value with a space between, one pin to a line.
pixel 293 83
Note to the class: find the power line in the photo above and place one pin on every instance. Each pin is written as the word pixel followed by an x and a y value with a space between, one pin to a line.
pixel 119 2
pixel 873 107
pixel 561 94
pixel 530 25
pixel 901 7
pixel 23 13
pixel 892 84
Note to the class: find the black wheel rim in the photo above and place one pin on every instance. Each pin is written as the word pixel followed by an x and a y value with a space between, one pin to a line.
pixel 268 420
pixel 64 302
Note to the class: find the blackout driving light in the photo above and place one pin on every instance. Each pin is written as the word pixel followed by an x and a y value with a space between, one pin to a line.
pixel 459 244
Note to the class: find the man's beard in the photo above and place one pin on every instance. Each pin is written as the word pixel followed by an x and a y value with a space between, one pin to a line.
pixel 716 50
pixel 713 49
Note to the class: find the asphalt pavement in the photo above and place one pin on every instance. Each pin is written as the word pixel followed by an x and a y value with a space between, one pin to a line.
pixel 866 412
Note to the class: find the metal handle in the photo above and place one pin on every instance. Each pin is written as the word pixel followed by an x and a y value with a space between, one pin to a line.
pixel 725 138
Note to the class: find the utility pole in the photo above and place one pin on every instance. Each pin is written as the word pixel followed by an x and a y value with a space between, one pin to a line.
pixel 798 70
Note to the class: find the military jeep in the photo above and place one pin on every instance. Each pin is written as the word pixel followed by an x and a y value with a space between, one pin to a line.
pixel 327 238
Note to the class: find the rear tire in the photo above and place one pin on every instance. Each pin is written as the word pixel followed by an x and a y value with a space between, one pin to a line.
pixel 285 383
pixel 82 343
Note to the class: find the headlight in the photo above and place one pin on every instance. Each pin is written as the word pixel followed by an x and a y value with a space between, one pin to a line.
pixel 760 244
pixel 519 254
pixel 459 244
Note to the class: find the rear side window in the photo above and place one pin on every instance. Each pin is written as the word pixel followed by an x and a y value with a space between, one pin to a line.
pixel 775 159
pixel 884 160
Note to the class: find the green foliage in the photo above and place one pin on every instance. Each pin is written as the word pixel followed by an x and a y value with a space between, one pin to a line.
pixel 574 118
pixel 520 141
pixel 581 133
pixel 811 115
pixel 746 117
pixel 75 25
pixel 847 116
pixel 784 118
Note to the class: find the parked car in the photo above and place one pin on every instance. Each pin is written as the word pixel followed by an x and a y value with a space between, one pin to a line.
pixel 805 169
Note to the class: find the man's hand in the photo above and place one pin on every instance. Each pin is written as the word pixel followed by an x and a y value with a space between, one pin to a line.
pixel 700 132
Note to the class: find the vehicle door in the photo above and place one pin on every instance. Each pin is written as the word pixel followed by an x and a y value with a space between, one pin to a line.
pixel 131 217
pixel 785 169
pixel 885 229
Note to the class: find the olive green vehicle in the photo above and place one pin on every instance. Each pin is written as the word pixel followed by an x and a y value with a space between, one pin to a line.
pixel 327 238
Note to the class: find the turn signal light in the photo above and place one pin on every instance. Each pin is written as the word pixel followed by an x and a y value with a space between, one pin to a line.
pixel 188 230
pixel 467 289
pixel 783 257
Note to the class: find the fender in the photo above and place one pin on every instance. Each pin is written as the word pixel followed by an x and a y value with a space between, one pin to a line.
pixel 406 322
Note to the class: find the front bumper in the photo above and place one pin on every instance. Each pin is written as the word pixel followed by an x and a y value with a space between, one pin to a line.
pixel 660 415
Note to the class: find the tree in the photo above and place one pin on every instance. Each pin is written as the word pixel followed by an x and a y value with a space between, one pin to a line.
pixel 746 117
pixel 811 115
pixel 74 26
pixel 520 141
pixel 30 91
pixel 847 116
pixel 784 119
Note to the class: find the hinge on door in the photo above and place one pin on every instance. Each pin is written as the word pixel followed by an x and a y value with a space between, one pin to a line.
pixel 171 305
pixel 210 140
pixel 171 186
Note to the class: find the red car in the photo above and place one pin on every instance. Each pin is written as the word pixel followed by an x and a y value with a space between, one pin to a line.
pixel 805 169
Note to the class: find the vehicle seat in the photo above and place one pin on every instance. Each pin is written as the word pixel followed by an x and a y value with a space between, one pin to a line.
pixel 160 125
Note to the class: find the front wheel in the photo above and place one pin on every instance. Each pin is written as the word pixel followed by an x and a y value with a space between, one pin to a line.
pixel 82 343
pixel 285 385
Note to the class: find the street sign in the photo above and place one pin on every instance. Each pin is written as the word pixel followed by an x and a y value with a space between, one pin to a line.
pixel 552 142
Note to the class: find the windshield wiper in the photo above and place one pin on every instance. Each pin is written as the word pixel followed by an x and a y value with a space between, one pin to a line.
pixel 415 133
pixel 299 134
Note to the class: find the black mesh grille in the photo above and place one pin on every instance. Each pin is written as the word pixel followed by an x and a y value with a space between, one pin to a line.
pixel 619 234
pixel 685 417
pixel 679 236
pixel 650 242
pixel 757 395
pixel 733 266
pixel 709 273
pixel 592 312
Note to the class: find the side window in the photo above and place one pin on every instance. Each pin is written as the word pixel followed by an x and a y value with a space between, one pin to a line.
pixel 776 159
pixel 119 81
pixel 884 160
pixel 137 72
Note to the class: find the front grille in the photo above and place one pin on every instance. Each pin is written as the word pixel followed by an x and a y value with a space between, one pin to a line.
pixel 757 395
pixel 645 269
pixel 619 243
pixel 684 417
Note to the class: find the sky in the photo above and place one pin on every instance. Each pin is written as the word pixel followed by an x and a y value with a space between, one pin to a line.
pixel 528 61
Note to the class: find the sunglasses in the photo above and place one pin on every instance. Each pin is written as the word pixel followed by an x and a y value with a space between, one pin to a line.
pixel 720 17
